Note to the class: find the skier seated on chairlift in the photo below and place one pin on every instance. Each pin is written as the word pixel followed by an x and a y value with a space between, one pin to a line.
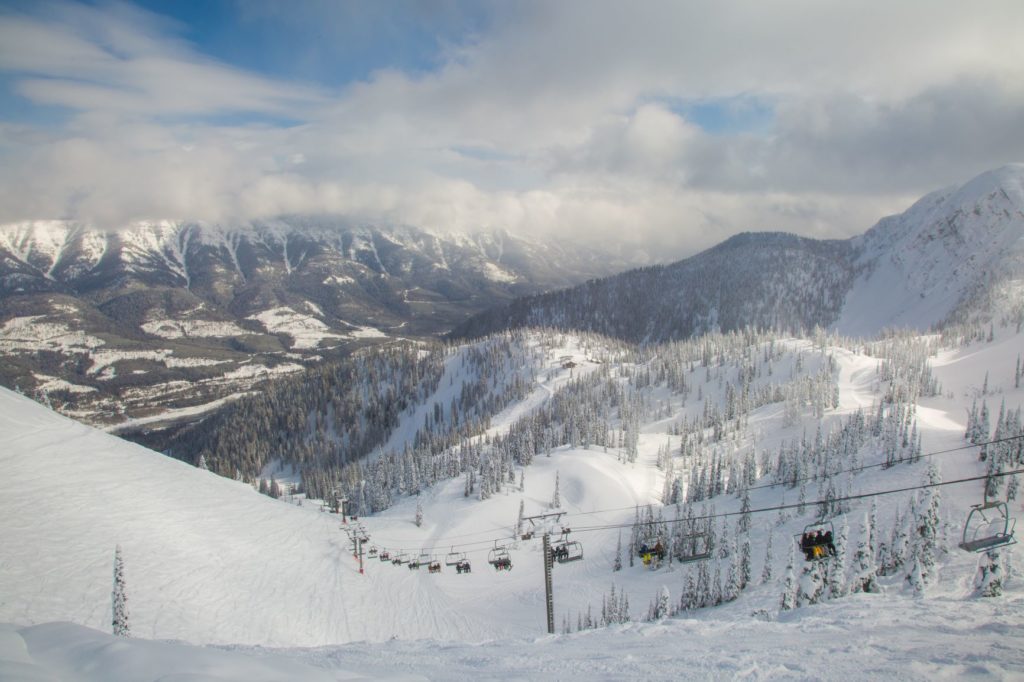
pixel 827 540
pixel 817 545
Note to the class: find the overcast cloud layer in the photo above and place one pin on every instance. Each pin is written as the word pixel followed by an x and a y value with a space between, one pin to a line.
pixel 674 124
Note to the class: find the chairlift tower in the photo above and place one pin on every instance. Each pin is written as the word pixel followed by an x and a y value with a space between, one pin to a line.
pixel 548 591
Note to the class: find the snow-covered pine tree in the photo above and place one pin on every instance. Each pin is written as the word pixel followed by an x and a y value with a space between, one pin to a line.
pixel 837 569
pixel 989 582
pixel 789 585
pixel 766 568
pixel 662 604
pixel 744 563
pixel 118 598
pixel 419 515
pixel 743 525
pixel 928 522
pixel 556 499
pixel 617 564
pixel 731 591
pixel 864 568
pixel 519 519
pixel 915 576
pixel 201 464
pixel 812 584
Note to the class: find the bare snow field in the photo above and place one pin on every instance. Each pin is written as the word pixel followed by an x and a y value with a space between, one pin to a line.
pixel 227 584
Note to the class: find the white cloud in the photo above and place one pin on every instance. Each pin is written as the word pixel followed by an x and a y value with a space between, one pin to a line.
pixel 561 116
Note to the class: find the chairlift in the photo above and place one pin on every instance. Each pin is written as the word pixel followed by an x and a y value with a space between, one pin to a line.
pixel 453 558
pixel 384 555
pixel 983 531
pixel 817 541
pixel 400 558
pixel 373 552
pixel 695 547
pixel 434 566
pixel 463 566
pixel 566 551
pixel 500 558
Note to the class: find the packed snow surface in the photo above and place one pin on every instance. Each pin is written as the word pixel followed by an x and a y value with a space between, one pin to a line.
pixel 211 562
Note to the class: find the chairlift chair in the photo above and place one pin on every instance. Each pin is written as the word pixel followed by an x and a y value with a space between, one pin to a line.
pixel 434 566
pixel 500 558
pixel 567 551
pixel 373 552
pixel 694 547
pixel 400 558
pixel 817 542
pixel 453 558
pixel 983 532
pixel 384 555
pixel 463 566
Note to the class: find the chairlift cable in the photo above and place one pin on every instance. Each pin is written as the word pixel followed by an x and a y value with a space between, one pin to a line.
pixel 780 507
pixel 760 510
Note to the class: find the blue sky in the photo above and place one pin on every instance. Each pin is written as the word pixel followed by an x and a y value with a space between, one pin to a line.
pixel 672 124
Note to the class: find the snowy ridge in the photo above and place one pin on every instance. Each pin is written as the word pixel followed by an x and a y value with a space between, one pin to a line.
pixel 946 248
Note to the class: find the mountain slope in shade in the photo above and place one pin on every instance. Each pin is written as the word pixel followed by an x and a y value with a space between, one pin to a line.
pixel 955 255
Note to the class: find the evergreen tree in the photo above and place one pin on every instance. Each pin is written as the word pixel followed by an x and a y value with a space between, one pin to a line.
pixel 661 607
pixel 789 587
pixel 744 568
pixel 201 464
pixel 118 598
pixel 812 584
pixel 915 577
pixel 617 565
pixel 864 569
pixel 419 515
pixel 744 522
pixel 837 568
pixel 519 519
pixel 989 582
pixel 766 569
pixel 556 499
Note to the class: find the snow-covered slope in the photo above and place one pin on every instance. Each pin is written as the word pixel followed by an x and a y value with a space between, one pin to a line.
pixel 208 560
pixel 945 251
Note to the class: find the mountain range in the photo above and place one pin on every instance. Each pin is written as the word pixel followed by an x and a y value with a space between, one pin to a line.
pixel 166 319
pixel 956 255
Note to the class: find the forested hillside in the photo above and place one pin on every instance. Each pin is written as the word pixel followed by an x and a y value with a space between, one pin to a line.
pixel 765 281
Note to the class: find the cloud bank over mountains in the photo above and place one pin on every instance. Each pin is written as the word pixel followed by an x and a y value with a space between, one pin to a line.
pixel 673 124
